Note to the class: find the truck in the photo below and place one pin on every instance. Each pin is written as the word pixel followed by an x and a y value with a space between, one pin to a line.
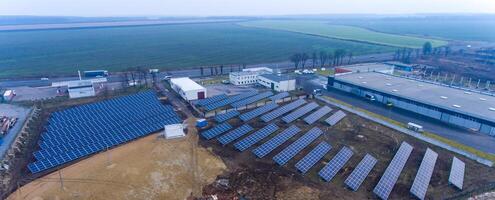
pixel 96 74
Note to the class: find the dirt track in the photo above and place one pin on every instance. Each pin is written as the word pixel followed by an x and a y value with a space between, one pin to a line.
pixel 148 168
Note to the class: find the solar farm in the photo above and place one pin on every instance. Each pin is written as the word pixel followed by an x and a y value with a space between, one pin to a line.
pixel 337 151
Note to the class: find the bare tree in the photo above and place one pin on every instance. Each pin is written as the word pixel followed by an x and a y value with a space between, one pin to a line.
pixel 350 57
pixel 323 58
pixel 304 58
pixel 201 69
pixel 296 59
pixel 314 59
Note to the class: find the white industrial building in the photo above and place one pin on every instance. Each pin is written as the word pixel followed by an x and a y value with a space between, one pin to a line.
pixel 277 82
pixel 248 76
pixel 188 89
pixel 81 88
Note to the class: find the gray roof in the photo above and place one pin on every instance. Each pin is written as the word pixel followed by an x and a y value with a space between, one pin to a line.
pixel 277 78
pixel 462 101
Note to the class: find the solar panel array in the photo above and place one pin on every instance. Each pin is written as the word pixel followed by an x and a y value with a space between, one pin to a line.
pixel 252 99
pixel 315 116
pixel 226 116
pixel 216 131
pixel 391 174
pixel 313 157
pixel 335 118
pixel 360 172
pixel 204 102
pixel 282 110
pixel 279 96
pixel 276 141
pixel 235 134
pixel 258 111
pixel 456 176
pixel 229 100
pixel 334 166
pixel 289 152
pixel 299 112
pixel 83 130
pixel 255 137
pixel 422 180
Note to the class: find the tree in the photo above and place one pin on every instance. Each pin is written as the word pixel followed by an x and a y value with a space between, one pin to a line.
pixel 427 48
pixel 314 59
pixel 339 55
pixel 304 58
pixel 201 68
pixel 296 59
pixel 323 58
pixel 331 58
pixel 221 69
pixel 417 53
pixel 350 57
pixel 447 50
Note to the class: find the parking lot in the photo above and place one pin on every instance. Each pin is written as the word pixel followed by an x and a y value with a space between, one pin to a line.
pixel 12 111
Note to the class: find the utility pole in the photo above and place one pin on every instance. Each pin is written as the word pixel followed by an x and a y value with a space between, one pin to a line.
pixel 453 79
pixel 478 85
pixel 469 83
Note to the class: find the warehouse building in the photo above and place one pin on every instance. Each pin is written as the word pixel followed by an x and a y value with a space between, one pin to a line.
pixel 80 88
pixel 469 109
pixel 277 82
pixel 188 89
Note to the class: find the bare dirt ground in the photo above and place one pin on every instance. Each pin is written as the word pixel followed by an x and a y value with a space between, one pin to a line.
pixel 148 168
pixel 255 178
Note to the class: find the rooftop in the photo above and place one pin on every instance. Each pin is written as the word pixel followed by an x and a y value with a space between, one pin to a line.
pixel 79 83
pixel 462 101
pixel 277 77
pixel 369 67
pixel 247 73
pixel 186 83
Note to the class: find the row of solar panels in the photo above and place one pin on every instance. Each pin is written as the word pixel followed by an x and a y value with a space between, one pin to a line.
pixel 137 115
pixel 239 100
pixel 327 173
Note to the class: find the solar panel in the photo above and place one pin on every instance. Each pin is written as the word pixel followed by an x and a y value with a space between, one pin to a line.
pixel 82 130
pixel 279 96
pixel 203 102
pixel 456 176
pixel 360 172
pixel 234 134
pixel 282 110
pixel 230 100
pixel 258 111
pixel 289 152
pixel 315 116
pixel 422 180
pixel 335 118
pixel 276 141
pixel 337 162
pixel 252 99
pixel 226 116
pixel 255 137
pixel 299 112
pixel 217 130
pixel 392 173
pixel 313 157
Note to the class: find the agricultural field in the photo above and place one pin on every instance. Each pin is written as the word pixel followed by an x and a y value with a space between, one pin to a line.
pixel 351 33
pixel 62 52
pixel 455 27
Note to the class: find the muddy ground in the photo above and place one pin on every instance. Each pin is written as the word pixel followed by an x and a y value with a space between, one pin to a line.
pixel 255 178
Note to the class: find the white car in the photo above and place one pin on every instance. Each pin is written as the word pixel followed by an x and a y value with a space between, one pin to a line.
pixel 45 79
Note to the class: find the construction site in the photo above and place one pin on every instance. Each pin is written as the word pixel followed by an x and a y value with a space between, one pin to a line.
pixel 235 147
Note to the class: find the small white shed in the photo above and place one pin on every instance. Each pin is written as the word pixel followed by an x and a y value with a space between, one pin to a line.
pixel 173 131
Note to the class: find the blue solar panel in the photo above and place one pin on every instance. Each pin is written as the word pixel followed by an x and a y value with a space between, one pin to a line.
pixel 229 100
pixel 334 166
pixel 456 176
pixel 299 112
pixel 217 130
pixel 252 99
pixel 257 112
pixel 313 157
pixel 82 130
pixel 282 110
pixel 288 153
pixel 226 116
pixel 279 96
pixel 255 137
pixel 422 180
pixel 235 134
pixel 392 173
pixel 203 102
pixel 276 141
pixel 315 116
pixel 335 118
pixel 360 172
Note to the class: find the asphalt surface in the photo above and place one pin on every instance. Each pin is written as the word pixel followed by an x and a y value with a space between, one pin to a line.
pixel 476 140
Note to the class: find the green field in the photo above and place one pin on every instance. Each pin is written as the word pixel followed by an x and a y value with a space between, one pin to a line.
pixel 59 52
pixel 322 28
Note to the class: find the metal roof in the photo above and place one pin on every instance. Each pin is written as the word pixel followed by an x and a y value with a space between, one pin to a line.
pixel 277 77
pixel 186 84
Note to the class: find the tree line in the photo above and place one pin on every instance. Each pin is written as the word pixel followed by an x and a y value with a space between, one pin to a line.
pixel 406 54
pixel 321 59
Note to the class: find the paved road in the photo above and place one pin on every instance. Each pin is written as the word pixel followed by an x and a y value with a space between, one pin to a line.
pixel 476 140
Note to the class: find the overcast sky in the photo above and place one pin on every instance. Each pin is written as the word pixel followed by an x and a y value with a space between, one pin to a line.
pixel 238 7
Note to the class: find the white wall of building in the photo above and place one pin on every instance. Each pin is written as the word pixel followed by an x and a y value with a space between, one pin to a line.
pixel 188 89
pixel 78 89
pixel 243 78
pixel 279 86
